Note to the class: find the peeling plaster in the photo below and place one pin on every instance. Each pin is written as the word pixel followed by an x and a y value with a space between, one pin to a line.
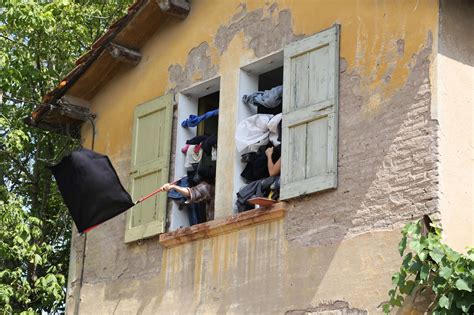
pixel 336 307
pixel 263 33
pixel 265 30
pixel 198 67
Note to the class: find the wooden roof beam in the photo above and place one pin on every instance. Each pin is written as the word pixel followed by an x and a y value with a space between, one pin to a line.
pixel 124 54
pixel 177 8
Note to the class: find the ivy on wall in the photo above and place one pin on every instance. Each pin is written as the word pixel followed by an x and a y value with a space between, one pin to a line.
pixel 430 267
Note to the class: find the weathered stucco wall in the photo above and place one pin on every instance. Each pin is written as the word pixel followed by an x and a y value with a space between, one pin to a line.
pixel 327 248
pixel 455 62
pixel 254 270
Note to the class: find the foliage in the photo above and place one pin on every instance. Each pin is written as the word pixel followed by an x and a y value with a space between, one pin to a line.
pixel 21 248
pixel 39 42
pixel 433 266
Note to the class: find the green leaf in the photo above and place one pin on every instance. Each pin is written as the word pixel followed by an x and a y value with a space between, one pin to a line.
pixel 452 255
pixel 470 254
pixel 395 278
pixel 413 228
pixel 415 267
pixel 415 245
pixel 439 284
pixel 444 302
pixel 423 254
pixel 440 311
pixel 424 272
pixel 408 287
pixel 445 272
pixel 437 255
pixel 402 245
pixel 396 301
pixel 406 260
pixel 462 284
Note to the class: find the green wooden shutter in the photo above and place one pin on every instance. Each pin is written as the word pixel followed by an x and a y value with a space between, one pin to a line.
pixel 151 141
pixel 310 112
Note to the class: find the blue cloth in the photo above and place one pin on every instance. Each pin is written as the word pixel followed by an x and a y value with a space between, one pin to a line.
pixel 194 120
pixel 197 213
pixel 178 197
pixel 193 210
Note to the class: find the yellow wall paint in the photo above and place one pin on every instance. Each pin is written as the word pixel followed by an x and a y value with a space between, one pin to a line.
pixel 369 34
pixel 255 270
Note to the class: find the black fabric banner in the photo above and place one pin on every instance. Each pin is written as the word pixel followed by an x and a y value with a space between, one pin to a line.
pixel 90 188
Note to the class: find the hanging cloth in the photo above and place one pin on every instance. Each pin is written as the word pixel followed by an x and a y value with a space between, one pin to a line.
pixel 192 157
pixel 257 130
pixel 196 140
pixel 194 120
pixel 90 188
pixel 274 130
pixel 268 98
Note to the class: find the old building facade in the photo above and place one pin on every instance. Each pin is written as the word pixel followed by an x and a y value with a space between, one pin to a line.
pixel 397 123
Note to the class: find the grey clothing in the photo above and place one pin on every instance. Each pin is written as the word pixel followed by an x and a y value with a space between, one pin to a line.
pixel 254 189
pixel 268 98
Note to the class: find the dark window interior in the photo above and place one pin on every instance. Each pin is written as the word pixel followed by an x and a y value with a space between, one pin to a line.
pixel 205 104
pixel 267 81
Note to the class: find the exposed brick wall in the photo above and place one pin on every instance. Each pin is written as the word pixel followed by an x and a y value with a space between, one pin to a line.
pixel 387 163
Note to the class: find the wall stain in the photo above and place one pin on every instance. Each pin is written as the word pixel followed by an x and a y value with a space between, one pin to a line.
pixel 198 67
pixel 265 31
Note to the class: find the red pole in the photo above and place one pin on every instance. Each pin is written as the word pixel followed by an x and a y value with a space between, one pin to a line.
pixel 139 200
pixel 154 192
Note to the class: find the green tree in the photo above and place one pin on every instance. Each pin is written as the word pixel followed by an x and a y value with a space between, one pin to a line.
pixel 39 42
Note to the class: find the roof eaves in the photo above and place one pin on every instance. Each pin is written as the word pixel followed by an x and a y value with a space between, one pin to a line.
pixel 88 58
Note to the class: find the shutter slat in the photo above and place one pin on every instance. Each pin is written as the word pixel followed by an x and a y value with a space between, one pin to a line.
pixel 318 75
pixel 300 81
pixel 316 156
pixel 308 114
pixel 298 150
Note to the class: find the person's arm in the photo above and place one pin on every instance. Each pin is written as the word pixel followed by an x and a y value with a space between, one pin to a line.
pixel 182 190
pixel 273 168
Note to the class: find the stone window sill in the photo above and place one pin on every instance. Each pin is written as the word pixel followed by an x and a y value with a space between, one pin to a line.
pixel 223 225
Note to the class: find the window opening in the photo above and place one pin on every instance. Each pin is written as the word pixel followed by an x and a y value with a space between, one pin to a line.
pixel 206 104
pixel 258 134
pixel 196 155
pixel 267 81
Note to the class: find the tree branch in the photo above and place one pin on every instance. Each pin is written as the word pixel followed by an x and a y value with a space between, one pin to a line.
pixel 19 164
pixel 13 41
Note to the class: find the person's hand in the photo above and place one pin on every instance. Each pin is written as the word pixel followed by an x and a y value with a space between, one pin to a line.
pixel 167 187
pixel 269 152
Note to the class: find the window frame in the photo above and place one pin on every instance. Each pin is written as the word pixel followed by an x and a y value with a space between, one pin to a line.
pixel 187 100
pixel 248 83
